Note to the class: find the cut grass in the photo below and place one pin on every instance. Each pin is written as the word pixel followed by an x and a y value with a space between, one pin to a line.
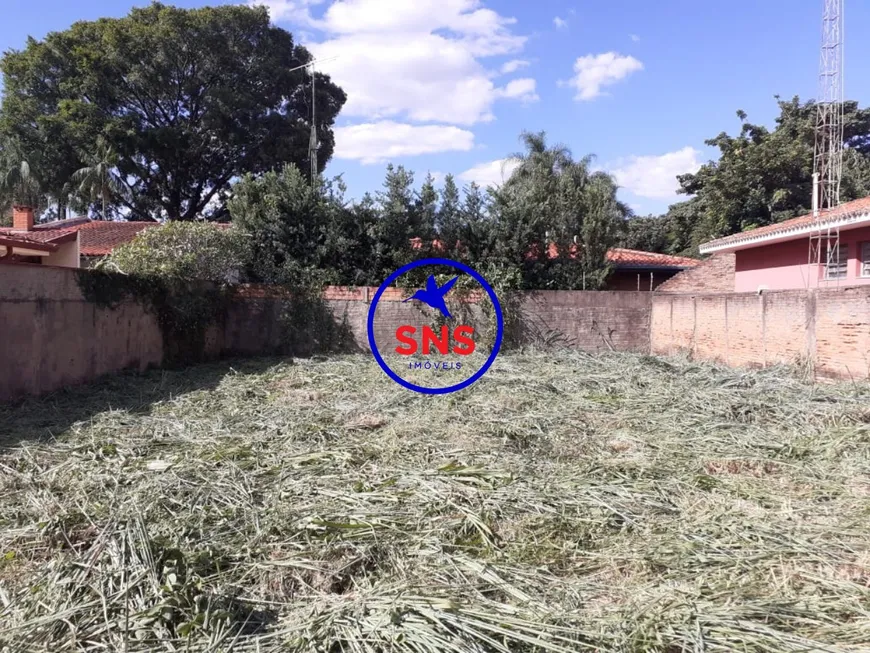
pixel 565 502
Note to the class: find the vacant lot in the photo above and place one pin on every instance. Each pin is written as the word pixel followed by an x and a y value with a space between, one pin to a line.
pixel 563 503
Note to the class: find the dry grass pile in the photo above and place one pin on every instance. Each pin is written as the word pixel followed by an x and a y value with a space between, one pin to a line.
pixel 564 503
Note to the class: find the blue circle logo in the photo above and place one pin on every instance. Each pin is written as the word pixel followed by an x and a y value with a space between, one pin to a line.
pixel 433 295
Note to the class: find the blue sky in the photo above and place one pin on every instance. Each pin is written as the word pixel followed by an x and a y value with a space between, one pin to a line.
pixel 447 85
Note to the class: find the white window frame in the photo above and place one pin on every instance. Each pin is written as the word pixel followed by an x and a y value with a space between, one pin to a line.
pixel 864 260
pixel 841 265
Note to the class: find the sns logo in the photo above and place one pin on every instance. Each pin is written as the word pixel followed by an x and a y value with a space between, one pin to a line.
pixel 434 297
pixel 418 348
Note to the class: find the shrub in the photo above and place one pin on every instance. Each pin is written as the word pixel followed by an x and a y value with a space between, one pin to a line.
pixel 184 251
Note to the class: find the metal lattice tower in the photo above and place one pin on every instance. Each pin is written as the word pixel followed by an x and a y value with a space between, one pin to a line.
pixel 824 243
pixel 828 155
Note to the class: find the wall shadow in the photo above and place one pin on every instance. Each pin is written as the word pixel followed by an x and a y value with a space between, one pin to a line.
pixel 46 417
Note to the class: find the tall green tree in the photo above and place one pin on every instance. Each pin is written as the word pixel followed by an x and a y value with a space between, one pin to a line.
pixel 189 100
pixel 426 210
pixel 764 176
pixel 447 223
pixel 398 224
pixel 19 182
pixel 649 234
pixel 97 183
pixel 554 208
pixel 287 221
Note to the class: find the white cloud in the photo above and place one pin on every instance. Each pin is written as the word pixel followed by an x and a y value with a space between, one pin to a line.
pixel 522 89
pixel 634 37
pixel 655 177
pixel 418 61
pixel 513 66
pixel 382 141
pixel 560 23
pixel 595 71
pixel 492 173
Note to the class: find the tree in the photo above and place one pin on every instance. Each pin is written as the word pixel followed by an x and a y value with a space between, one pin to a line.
pixel 448 223
pixel 426 209
pixel 764 176
pixel 648 234
pixel 19 184
pixel 398 223
pixel 554 219
pixel 298 233
pixel 98 181
pixel 189 99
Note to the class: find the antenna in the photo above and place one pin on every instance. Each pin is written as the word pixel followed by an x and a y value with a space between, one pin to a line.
pixel 828 154
pixel 828 148
pixel 313 144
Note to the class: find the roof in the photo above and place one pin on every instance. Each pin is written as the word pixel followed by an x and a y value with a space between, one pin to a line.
pixel 849 215
pixel 620 257
pixel 714 275
pixel 99 237
pixel 56 236
pixel 17 242
pixel 635 258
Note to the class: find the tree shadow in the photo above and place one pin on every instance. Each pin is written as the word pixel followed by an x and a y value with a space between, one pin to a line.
pixel 46 417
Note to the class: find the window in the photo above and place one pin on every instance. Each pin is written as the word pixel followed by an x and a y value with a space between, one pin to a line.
pixel 836 261
pixel 865 259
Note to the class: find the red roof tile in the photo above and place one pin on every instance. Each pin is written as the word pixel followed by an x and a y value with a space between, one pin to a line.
pixel 857 209
pixel 619 256
pixel 622 257
pixel 16 241
pixel 99 237
pixel 55 236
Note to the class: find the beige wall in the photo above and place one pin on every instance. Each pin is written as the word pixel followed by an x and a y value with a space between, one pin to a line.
pixel 829 329
pixel 66 256
pixel 52 337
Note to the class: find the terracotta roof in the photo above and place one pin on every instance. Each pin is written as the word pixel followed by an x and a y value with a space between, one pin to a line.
pixel 634 258
pixel 99 237
pixel 16 241
pixel 625 258
pixel 54 236
pixel 619 256
pixel 848 214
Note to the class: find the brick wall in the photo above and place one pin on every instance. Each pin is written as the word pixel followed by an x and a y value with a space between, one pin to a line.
pixel 54 337
pixel 829 328
pixel 593 321
pixel 715 274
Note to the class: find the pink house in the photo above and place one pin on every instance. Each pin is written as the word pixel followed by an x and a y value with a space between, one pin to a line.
pixel 804 252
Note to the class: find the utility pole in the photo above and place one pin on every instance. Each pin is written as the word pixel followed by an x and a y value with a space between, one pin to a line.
pixel 313 143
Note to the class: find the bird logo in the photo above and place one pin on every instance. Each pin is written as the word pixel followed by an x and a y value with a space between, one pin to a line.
pixel 434 294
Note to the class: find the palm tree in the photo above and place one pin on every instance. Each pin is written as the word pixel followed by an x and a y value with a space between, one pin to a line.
pixel 541 158
pixel 18 182
pixel 98 180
